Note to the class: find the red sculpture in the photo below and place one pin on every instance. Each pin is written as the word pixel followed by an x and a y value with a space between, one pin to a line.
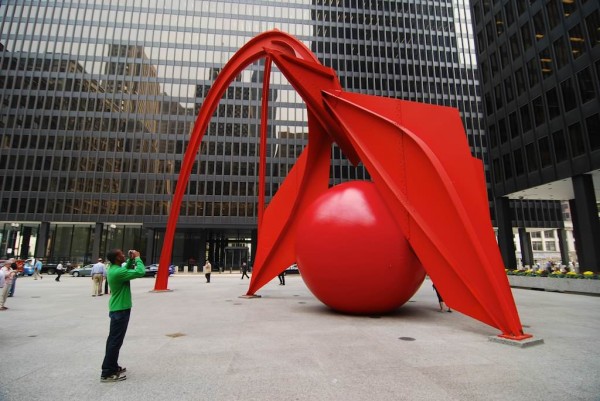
pixel 420 164
pixel 352 255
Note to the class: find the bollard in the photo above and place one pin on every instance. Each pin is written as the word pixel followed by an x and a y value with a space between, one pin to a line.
pixel 195 269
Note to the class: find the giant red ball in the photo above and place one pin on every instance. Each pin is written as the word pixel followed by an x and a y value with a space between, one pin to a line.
pixel 353 255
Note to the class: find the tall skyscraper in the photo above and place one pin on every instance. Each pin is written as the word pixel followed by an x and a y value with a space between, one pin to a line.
pixel 540 70
pixel 98 99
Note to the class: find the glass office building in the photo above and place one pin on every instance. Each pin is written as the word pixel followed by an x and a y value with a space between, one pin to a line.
pixel 540 71
pixel 98 99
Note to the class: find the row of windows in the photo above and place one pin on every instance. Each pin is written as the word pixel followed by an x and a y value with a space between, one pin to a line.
pixel 548 60
pixel 506 16
pixel 553 104
pixel 578 140
pixel 126 207
pixel 548 212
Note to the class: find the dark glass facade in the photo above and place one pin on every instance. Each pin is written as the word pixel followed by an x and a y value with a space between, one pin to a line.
pixel 540 70
pixel 98 100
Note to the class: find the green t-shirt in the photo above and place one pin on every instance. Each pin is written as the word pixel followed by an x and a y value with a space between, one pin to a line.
pixel 119 282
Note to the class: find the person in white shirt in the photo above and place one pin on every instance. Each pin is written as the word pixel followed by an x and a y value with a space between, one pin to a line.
pixel 98 274
pixel 59 271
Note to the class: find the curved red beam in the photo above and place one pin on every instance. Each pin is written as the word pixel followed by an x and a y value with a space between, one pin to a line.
pixel 420 163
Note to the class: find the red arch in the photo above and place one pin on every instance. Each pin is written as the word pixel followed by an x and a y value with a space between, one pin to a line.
pixel 418 158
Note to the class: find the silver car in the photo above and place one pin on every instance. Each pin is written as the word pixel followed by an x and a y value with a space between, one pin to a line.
pixel 82 271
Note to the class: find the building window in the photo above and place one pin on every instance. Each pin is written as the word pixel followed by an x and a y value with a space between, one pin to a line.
pixel 545 158
pixel 508 171
pixel 569 7
pixel 553 106
pixel 538 111
pixel 577 41
pixel 537 245
pixel 520 81
pixel 531 153
pixel 532 73
pixel 539 25
pixel 546 62
pixel 560 146
pixel 593 131
pixel 504 56
pixel 526 36
pixel 550 246
pixel 568 94
pixel 525 118
pixel 513 124
pixel 519 163
pixel 499 23
pixel 514 46
pixel 586 85
pixel 553 14
pixel 576 140
pixel 508 11
pixel 592 22
pixel 561 52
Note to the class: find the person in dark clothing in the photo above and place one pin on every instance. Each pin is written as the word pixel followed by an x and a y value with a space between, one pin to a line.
pixel 244 270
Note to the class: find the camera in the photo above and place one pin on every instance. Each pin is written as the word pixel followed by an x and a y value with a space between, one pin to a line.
pixel 130 253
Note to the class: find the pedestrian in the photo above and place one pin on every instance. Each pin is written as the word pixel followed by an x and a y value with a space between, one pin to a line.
pixel 15 268
pixel 7 275
pixel 119 274
pixel 59 271
pixel 244 270
pixel 37 269
pixel 98 273
pixel 441 301
pixel 207 270
pixel 281 277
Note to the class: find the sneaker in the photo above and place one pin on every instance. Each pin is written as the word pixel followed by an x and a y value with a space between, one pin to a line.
pixel 121 370
pixel 113 378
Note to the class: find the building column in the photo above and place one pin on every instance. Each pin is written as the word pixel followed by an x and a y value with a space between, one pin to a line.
pixel 563 245
pixel 97 242
pixel 42 240
pixel 25 240
pixel 586 225
pixel 526 251
pixel 506 240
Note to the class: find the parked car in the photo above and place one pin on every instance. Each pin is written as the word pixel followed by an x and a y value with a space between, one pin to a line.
pixel 27 268
pixel 152 270
pixel 84 271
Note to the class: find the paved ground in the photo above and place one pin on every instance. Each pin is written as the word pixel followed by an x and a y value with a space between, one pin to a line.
pixel 203 342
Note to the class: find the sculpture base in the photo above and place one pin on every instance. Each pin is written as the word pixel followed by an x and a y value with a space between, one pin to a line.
pixel 166 290
pixel 522 341
pixel 249 296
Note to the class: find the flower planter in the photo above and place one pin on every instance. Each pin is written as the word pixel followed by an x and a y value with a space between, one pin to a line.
pixel 584 286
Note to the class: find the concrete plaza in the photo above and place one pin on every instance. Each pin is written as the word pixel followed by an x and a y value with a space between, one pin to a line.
pixel 202 342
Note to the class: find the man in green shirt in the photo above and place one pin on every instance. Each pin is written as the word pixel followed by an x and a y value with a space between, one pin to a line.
pixel 119 276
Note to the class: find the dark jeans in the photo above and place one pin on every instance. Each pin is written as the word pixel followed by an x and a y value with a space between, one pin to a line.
pixel 244 274
pixel 119 320
pixel 58 274
pixel 207 275
pixel 11 291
